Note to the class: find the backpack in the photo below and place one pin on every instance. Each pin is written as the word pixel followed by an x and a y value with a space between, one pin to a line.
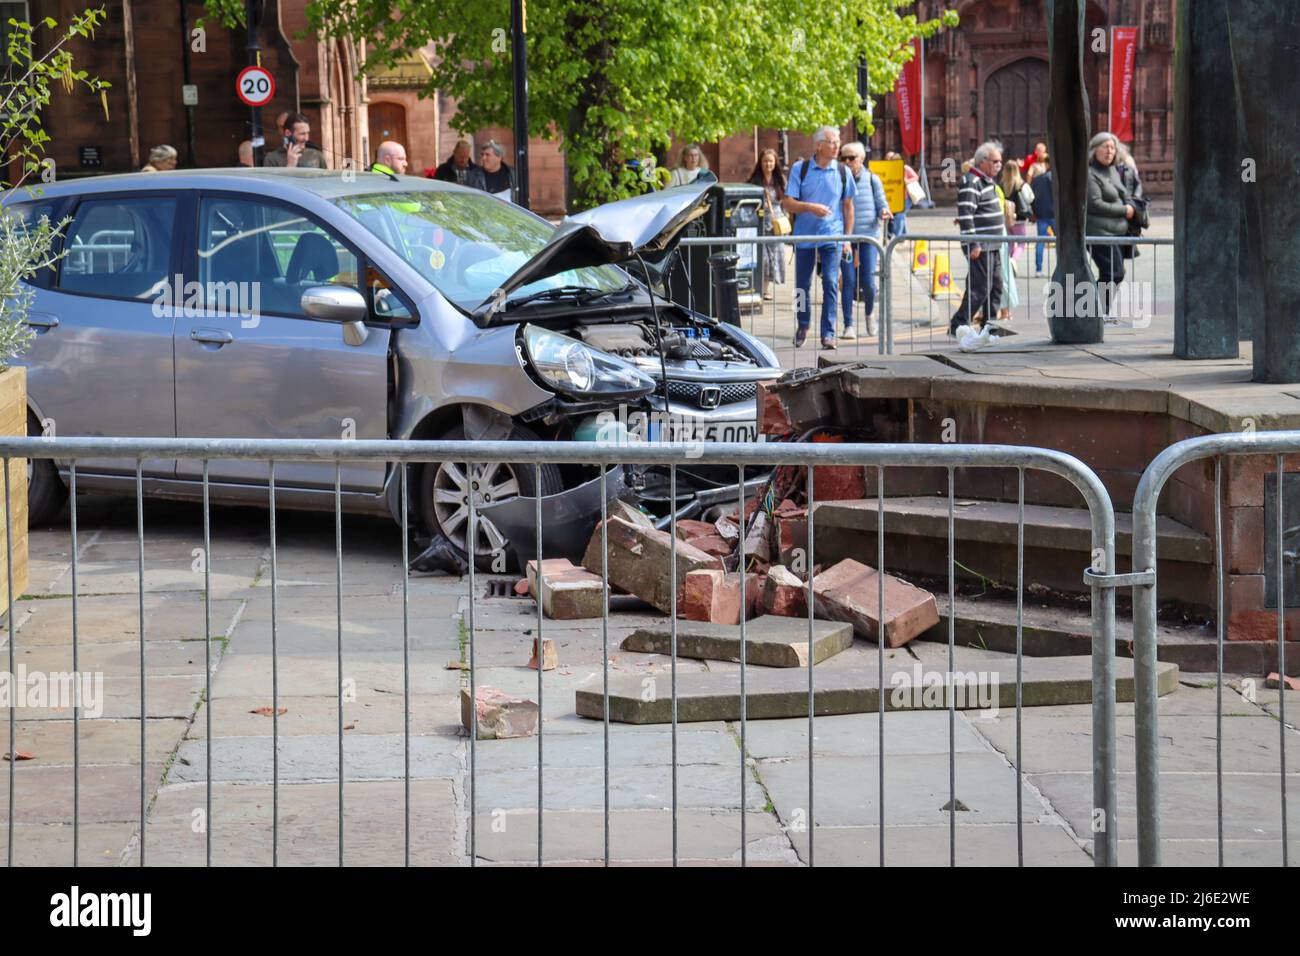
pixel 803 174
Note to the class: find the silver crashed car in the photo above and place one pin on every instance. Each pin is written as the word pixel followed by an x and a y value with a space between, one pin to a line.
pixel 301 304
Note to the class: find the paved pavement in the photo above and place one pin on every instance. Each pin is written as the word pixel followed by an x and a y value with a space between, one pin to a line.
pixel 183 730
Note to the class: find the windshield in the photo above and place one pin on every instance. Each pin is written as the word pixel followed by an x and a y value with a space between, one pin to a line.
pixel 468 244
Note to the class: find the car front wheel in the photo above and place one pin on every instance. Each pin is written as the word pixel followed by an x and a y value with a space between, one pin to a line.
pixel 446 490
pixel 46 491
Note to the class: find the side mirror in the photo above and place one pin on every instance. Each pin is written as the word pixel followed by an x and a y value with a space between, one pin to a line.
pixel 335 303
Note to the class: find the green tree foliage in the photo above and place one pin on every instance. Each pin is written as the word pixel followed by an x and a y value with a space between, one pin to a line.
pixel 39 62
pixel 617 79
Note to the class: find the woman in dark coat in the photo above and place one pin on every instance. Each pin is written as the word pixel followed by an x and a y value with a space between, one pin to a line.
pixel 1108 214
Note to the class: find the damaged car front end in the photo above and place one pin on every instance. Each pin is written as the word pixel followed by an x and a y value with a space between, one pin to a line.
pixel 560 333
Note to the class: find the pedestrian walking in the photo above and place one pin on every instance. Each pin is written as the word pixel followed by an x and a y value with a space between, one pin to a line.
pixel 767 173
pixel 1009 297
pixel 870 210
pixel 1020 196
pixel 1037 156
pixel 980 212
pixel 161 159
pixel 1044 208
pixel 297 152
pixel 1108 214
pixel 492 174
pixel 456 167
pixel 819 195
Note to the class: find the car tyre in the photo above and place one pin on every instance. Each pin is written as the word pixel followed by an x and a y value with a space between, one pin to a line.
pixel 439 482
pixel 46 492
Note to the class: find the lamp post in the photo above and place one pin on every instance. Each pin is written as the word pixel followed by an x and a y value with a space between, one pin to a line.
pixel 519 71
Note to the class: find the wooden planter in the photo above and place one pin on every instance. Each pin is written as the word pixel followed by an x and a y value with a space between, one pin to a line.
pixel 13 421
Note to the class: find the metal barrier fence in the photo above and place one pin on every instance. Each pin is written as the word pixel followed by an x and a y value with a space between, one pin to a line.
pixel 1145 293
pixel 804 456
pixel 1145 583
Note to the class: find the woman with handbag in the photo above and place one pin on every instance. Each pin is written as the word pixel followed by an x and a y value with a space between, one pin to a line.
pixel 1109 213
pixel 768 174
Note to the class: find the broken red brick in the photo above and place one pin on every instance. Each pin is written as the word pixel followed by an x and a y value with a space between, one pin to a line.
pixel 728 530
pixel 500 715
pixel 628 512
pixel 550 659
pixel 714 596
pixel 849 591
pixel 784 594
pixel 688 529
pixel 1271 682
pixel 713 544
pixel 772 416
pixel 638 561
pixel 568 592
pixel 521 587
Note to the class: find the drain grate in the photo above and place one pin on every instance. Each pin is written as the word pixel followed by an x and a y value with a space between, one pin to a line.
pixel 500 588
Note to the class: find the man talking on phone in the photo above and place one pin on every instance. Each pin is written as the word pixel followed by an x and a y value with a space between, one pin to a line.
pixel 297 153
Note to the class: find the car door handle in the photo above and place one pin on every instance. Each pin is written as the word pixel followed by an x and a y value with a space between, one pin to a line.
pixel 42 320
pixel 211 336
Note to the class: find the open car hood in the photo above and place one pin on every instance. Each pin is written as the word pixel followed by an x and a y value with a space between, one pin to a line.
pixel 612 234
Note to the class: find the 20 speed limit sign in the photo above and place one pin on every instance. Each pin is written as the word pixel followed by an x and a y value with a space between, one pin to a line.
pixel 255 86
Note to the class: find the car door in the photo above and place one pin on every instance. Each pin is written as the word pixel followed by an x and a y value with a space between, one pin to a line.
pixel 250 363
pixel 100 362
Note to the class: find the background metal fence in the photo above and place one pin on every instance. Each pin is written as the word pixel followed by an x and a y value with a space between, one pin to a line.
pixel 603 456
pixel 1162 468
pixel 913 312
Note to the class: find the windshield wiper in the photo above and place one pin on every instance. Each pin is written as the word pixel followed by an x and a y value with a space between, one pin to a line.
pixel 581 293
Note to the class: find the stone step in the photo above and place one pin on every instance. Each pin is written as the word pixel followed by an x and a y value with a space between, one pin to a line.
pixel 989 622
pixel 776 693
pixel 1058 543
pixel 770 641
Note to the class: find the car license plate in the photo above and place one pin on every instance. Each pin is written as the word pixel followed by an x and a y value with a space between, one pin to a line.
pixel 746 431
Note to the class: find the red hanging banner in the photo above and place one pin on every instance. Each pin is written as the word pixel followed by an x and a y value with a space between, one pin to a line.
pixel 911 101
pixel 1123 57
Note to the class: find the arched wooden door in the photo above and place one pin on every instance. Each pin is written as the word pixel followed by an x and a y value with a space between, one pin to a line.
pixel 387 121
pixel 1015 106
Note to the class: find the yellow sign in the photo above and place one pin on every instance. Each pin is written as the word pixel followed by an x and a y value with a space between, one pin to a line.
pixel 890 172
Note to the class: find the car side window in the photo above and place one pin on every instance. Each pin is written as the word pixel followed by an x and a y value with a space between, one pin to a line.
pixel 263 257
pixel 119 248
pixel 385 302
pixel 35 219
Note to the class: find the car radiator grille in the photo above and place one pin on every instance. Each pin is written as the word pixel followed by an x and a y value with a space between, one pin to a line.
pixel 732 392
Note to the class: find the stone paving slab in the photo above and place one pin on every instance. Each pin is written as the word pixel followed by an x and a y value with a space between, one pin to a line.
pixel 570 836
pixel 370 713
pixel 1045 844
pixel 770 641
pixel 564 752
pixel 103 742
pixel 162 658
pixel 1206 852
pixel 115 577
pixel 306 758
pixel 45 794
pixel 294 605
pixel 164 697
pixel 1251 808
pixel 111 619
pixel 846 790
pixel 784 693
pixel 360 636
pixel 857 735
pixel 699 786
pixel 50 844
pixel 314 675
pixel 1250 744
pixel 373 825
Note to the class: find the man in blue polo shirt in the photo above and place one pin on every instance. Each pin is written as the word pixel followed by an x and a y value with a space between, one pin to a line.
pixel 819 196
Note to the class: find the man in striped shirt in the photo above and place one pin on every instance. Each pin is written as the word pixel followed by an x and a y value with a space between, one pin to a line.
pixel 980 213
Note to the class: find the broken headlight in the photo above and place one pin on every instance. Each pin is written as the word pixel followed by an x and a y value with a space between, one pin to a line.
pixel 574 368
